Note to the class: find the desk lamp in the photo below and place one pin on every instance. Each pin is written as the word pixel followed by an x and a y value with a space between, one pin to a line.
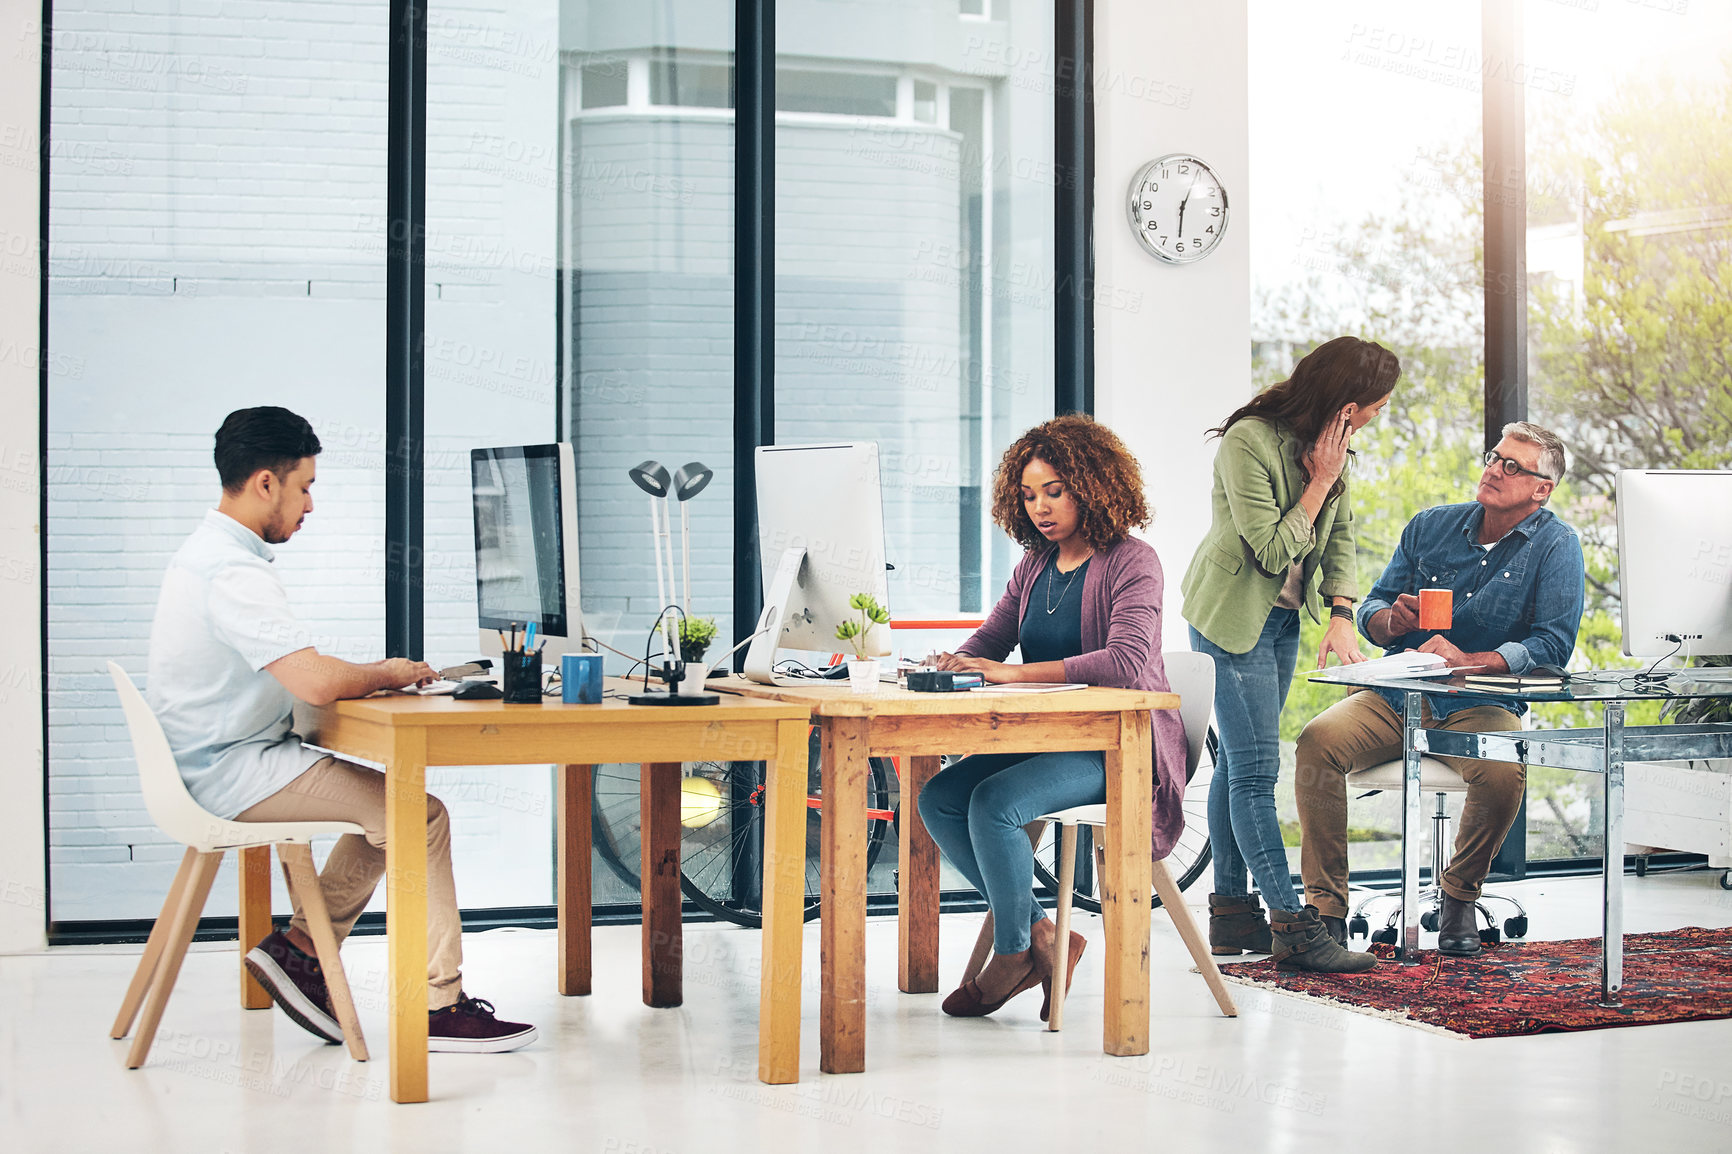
pixel 689 481
pixel 686 483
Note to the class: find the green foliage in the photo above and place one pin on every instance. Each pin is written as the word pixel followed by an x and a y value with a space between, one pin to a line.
pixel 696 633
pixel 854 632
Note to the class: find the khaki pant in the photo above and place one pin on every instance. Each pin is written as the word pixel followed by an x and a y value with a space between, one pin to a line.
pixel 335 790
pixel 1363 731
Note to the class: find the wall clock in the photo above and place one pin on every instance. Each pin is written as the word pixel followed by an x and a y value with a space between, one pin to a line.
pixel 1178 208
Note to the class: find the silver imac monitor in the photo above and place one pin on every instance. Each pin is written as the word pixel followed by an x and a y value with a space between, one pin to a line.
pixel 1675 561
pixel 526 545
pixel 820 541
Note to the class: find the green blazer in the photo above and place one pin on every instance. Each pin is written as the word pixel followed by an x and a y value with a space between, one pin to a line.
pixel 1259 530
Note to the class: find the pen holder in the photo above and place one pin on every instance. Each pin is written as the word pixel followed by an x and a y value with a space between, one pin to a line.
pixel 520 677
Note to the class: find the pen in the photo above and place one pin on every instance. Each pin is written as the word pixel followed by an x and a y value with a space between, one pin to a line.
pixel 502 644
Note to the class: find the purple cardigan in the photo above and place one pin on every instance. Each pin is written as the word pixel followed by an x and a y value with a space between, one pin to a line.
pixel 1121 637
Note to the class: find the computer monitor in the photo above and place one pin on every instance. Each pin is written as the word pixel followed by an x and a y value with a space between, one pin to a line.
pixel 526 545
pixel 820 541
pixel 1675 561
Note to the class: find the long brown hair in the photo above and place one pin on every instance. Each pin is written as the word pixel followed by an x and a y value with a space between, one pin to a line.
pixel 1094 465
pixel 1326 380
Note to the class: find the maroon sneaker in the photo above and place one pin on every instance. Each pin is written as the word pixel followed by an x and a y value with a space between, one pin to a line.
pixel 469 1027
pixel 296 983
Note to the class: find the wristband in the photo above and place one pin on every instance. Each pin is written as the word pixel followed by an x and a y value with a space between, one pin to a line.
pixel 1343 611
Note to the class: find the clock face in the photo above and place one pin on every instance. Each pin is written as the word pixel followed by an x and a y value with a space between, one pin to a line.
pixel 1178 208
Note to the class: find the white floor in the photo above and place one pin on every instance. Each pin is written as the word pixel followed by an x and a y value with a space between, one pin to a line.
pixel 608 1074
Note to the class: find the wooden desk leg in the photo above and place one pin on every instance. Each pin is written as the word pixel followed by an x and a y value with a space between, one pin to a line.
pixel 842 1005
pixel 917 897
pixel 659 839
pixel 255 919
pixel 784 906
pixel 1125 889
pixel 406 911
pixel 574 782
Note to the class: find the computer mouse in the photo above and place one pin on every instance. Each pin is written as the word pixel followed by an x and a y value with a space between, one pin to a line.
pixel 477 691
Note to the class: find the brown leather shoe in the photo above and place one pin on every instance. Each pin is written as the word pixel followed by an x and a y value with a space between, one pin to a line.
pixel 966 1000
pixel 1077 944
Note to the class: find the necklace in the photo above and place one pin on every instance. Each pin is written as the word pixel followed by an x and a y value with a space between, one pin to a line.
pixel 1052 576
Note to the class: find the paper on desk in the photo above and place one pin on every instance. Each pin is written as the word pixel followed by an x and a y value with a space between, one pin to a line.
pixel 1411 663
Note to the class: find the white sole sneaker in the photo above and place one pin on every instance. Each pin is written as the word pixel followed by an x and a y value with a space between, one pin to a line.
pixel 500 1045
pixel 288 996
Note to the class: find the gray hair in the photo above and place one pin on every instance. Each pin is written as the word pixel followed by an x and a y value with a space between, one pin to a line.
pixel 1550 445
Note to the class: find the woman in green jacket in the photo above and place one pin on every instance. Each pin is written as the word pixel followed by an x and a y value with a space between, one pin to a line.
pixel 1281 540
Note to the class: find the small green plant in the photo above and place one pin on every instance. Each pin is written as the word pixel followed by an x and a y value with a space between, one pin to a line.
pixel 1697 710
pixel 854 632
pixel 696 633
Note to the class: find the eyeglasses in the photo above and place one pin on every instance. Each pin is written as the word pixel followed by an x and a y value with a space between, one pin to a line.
pixel 1511 466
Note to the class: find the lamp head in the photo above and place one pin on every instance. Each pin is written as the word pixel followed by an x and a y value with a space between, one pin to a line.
pixel 690 480
pixel 650 477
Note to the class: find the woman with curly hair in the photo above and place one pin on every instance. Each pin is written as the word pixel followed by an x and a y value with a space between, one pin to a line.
pixel 1282 540
pixel 1084 605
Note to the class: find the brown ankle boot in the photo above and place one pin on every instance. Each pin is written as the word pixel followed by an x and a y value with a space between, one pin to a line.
pixel 1237 924
pixel 1303 942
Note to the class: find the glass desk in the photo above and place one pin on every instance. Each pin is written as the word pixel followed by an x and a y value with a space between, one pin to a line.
pixel 1586 750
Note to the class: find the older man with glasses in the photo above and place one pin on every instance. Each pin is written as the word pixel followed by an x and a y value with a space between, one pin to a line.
pixel 1516 573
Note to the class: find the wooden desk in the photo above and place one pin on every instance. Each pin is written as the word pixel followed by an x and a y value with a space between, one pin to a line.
pixel 407 734
pixel 920 727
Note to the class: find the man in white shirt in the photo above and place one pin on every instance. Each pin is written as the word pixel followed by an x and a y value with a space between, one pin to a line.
pixel 227 660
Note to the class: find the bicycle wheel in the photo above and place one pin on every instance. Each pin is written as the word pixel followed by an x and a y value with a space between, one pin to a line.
pixel 1190 856
pixel 721 842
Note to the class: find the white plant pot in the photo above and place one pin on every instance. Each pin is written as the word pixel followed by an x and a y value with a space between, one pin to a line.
pixel 863 675
pixel 692 681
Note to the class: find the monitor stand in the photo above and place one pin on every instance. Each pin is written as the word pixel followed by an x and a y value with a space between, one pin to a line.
pixel 760 662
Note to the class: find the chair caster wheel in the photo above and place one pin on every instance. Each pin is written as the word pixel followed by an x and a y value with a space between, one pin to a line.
pixel 1516 927
pixel 1726 880
pixel 1358 927
pixel 1489 936
pixel 1428 921
pixel 1384 937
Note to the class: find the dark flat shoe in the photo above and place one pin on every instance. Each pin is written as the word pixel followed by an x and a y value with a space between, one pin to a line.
pixel 966 1000
pixel 1078 943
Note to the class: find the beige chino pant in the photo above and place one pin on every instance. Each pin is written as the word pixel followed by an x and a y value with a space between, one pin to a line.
pixel 334 790
pixel 1362 731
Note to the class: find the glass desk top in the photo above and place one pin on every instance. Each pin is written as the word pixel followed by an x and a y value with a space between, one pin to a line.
pixel 1590 686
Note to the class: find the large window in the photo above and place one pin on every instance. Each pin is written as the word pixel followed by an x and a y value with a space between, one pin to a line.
pixel 1629 234
pixel 1365 169
pixel 213 253
pixel 229 248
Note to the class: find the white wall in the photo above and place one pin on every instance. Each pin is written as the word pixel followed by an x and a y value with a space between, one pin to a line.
pixel 21 850
pixel 1172 343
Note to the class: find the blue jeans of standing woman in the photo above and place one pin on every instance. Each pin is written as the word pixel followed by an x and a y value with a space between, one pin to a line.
pixel 1244 831
pixel 975 811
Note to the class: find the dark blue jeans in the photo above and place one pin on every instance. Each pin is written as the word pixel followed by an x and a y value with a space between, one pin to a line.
pixel 975 811
pixel 1244 831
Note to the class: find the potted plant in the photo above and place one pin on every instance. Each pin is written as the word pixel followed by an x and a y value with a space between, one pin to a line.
pixel 696 633
pixel 862 669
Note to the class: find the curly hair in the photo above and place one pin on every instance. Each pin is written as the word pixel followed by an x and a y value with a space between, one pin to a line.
pixel 1095 466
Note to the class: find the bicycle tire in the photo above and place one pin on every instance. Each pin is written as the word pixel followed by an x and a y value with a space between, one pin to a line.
pixel 725 848
pixel 1190 856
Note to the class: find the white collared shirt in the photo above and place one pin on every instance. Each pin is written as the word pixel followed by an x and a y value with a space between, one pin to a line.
pixel 223 616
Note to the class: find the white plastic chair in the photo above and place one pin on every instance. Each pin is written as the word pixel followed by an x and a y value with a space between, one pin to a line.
pixel 1192 677
pixel 207 837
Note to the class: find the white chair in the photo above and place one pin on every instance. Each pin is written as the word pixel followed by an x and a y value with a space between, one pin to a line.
pixel 1438 778
pixel 1192 677
pixel 206 838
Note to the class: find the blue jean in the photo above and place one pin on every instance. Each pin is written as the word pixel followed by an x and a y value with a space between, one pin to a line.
pixel 1244 831
pixel 975 811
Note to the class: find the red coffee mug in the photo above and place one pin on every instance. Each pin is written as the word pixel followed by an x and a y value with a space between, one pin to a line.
pixel 1436 608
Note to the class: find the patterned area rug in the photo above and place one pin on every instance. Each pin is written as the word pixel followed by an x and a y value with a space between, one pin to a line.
pixel 1521 988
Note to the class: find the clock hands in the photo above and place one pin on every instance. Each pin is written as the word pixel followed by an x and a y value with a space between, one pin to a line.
pixel 1183 202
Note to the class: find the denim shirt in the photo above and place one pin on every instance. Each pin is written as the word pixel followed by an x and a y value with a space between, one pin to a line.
pixel 1523 599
